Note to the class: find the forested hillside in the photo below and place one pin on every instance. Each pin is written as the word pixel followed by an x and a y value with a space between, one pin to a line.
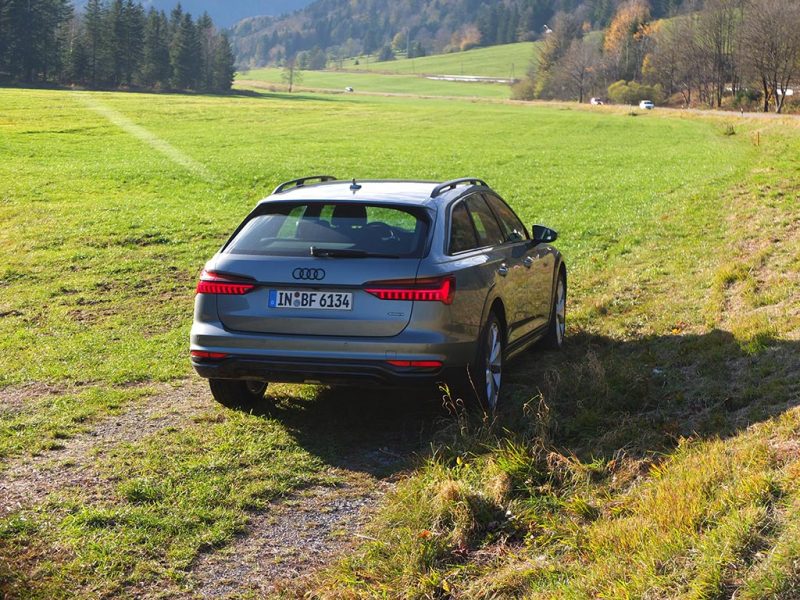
pixel 725 53
pixel 351 27
pixel 111 44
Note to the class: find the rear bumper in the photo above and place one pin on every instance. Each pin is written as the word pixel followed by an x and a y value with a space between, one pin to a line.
pixel 327 359
pixel 368 373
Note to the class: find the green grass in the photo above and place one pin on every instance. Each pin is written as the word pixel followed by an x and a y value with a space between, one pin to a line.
pixel 506 61
pixel 105 235
pixel 107 226
pixel 376 83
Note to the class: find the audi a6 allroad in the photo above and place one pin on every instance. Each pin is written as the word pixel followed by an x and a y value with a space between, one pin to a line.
pixel 393 283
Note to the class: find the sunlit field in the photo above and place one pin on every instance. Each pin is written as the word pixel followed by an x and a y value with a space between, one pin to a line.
pixel 619 468
pixel 372 83
pixel 504 61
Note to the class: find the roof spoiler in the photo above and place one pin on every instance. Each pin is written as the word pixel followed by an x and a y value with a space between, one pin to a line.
pixel 296 183
pixel 451 185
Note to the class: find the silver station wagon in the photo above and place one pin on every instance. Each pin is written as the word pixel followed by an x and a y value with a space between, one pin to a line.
pixel 389 283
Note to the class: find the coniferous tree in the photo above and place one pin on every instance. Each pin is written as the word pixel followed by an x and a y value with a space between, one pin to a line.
pixel 134 40
pixel 78 71
pixel 224 65
pixel 94 19
pixel 31 37
pixel 156 68
pixel 207 39
pixel 184 55
pixel 111 42
pixel 175 19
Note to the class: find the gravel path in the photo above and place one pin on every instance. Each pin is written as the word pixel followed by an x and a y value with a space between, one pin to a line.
pixel 29 480
pixel 15 398
pixel 288 542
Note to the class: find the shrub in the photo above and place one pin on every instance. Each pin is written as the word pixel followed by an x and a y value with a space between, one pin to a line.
pixel 386 53
pixel 523 90
pixel 631 92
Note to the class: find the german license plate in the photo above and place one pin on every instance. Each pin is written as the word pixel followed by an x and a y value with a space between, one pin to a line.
pixel 310 300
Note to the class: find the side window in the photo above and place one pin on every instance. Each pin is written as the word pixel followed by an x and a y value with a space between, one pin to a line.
pixel 489 233
pixel 513 229
pixel 462 234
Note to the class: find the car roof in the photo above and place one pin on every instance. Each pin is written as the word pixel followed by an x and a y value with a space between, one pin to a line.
pixel 370 190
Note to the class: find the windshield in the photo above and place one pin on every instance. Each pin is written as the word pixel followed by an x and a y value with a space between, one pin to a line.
pixel 333 229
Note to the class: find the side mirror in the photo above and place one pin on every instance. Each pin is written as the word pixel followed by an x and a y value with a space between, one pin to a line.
pixel 544 235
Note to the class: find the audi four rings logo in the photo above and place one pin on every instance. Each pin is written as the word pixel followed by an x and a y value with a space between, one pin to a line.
pixel 309 274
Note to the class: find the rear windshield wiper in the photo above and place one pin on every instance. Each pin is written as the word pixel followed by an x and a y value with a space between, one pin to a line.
pixel 344 253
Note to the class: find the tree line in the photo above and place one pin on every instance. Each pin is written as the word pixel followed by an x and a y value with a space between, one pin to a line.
pixel 112 43
pixel 344 29
pixel 743 53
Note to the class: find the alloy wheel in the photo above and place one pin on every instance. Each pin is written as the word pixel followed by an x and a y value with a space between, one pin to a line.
pixel 561 311
pixel 494 364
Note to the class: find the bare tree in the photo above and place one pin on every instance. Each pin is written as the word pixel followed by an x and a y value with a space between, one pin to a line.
pixel 578 68
pixel 716 37
pixel 771 47
pixel 291 74
pixel 677 63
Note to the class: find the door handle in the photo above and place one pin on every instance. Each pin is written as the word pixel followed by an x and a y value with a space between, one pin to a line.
pixel 528 262
pixel 503 270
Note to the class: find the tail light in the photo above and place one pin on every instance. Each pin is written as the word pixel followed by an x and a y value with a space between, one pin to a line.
pixel 417 364
pixel 214 283
pixel 203 355
pixel 432 289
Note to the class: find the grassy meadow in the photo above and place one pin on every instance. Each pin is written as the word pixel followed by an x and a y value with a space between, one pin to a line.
pixel 374 83
pixel 656 457
pixel 503 61
pixel 408 76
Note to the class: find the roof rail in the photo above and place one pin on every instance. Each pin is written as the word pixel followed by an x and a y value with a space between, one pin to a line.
pixel 301 182
pixel 451 185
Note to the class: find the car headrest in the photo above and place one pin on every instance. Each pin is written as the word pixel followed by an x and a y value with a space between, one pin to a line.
pixel 349 215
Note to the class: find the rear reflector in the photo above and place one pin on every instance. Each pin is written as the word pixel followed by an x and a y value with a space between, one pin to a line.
pixel 214 283
pixel 418 364
pixel 208 355
pixel 434 289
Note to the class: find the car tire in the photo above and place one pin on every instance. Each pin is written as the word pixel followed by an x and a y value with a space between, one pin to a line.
pixel 488 370
pixel 236 393
pixel 557 326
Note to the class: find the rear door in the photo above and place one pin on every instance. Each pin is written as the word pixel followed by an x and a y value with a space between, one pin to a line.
pixel 533 275
pixel 505 261
pixel 311 261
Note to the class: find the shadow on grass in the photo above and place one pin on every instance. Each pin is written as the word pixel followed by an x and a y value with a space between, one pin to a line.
pixel 377 431
pixel 598 397
pixel 234 93
pixel 603 396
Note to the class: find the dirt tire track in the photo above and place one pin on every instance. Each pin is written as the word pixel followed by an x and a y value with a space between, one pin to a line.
pixel 29 480
pixel 14 399
pixel 289 541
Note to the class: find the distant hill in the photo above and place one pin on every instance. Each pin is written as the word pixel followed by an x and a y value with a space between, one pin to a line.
pixel 225 13
pixel 350 27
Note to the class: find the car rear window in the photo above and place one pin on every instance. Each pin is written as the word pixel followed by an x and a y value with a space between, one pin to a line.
pixel 292 229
